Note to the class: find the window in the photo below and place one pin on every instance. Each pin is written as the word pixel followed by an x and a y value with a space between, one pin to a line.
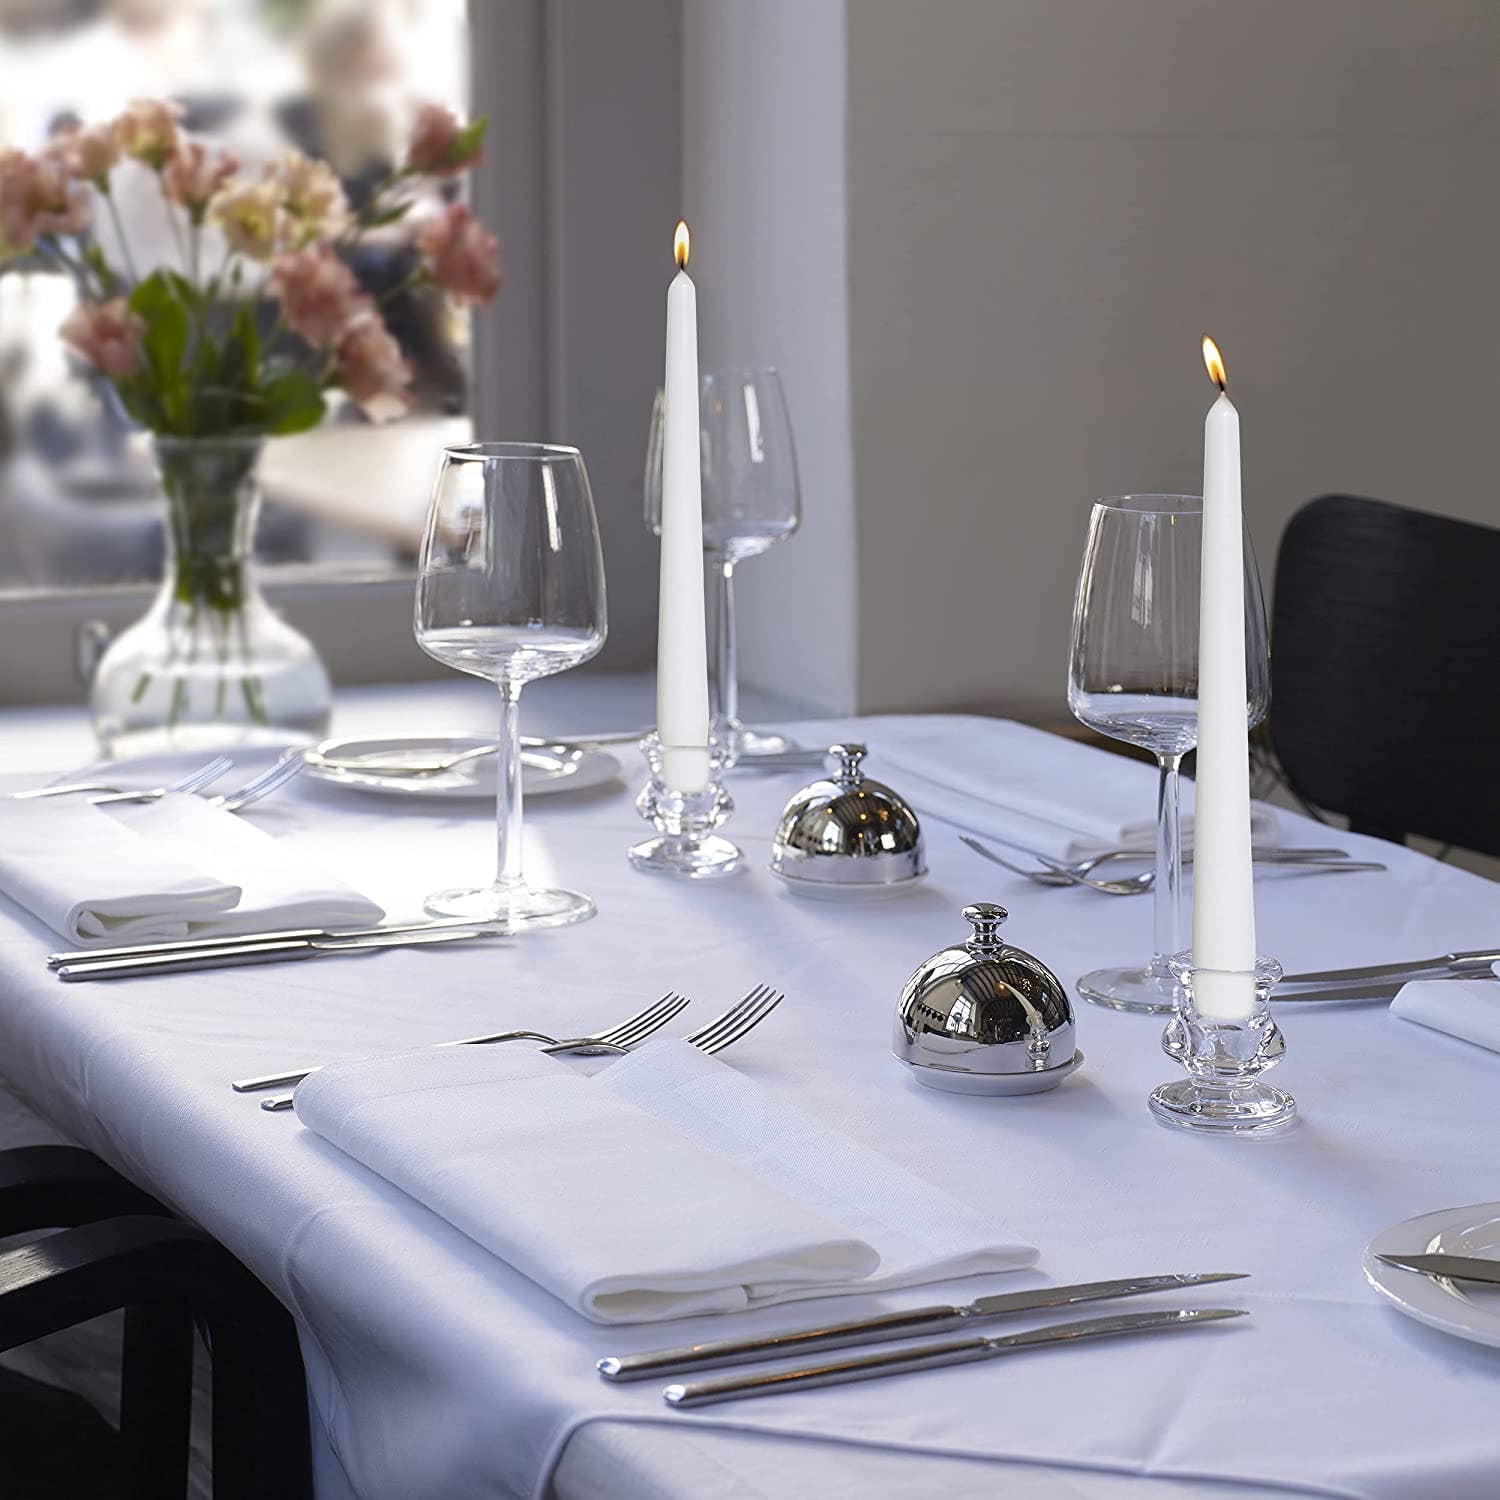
pixel 79 506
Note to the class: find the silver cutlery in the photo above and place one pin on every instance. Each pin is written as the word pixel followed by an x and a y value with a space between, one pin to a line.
pixel 239 939
pixel 631 1029
pixel 1452 1267
pixel 910 1358
pixel 1382 990
pixel 742 1017
pixel 289 764
pixel 897 1325
pixel 1059 873
pixel 377 764
pixel 211 771
pixel 723 1031
pixel 1474 964
pixel 235 955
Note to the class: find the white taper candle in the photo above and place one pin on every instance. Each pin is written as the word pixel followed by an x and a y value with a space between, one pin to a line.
pixel 1223 889
pixel 682 716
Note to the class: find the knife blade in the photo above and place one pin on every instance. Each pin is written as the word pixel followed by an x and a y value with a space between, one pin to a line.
pixel 242 954
pixel 1458 1267
pixel 236 939
pixel 1473 963
pixel 934 1355
pixel 896 1325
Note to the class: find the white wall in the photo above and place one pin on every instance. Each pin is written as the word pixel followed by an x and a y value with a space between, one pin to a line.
pixel 764 192
pixel 1050 200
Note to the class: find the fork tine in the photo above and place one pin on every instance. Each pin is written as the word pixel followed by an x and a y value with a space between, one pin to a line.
pixel 708 1033
pixel 203 775
pixel 653 1018
pixel 264 784
pixel 748 1022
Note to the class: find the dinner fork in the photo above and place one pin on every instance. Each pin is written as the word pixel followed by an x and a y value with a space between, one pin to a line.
pixel 623 1035
pixel 287 765
pixel 1057 873
pixel 714 1036
pixel 211 771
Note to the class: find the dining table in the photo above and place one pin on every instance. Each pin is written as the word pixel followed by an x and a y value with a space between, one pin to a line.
pixel 436 1370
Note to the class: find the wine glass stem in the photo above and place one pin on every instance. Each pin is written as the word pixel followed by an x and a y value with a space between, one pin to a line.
pixel 726 671
pixel 508 790
pixel 1168 894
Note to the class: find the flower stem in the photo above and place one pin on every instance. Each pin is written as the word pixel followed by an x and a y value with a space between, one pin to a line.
pixel 119 223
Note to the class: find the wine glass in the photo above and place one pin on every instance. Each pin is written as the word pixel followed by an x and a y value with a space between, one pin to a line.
pixel 1133 675
pixel 511 588
pixel 751 500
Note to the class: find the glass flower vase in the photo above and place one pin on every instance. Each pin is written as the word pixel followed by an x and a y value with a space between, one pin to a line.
pixel 210 663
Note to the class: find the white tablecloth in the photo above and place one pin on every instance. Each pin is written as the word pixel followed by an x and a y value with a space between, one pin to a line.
pixel 437 1371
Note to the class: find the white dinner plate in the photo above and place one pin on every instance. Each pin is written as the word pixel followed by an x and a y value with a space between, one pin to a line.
pixel 1469 1309
pixel 543 769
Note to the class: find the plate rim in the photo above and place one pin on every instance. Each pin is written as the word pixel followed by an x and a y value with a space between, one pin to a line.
pixel 1424 1299
pixel 331 773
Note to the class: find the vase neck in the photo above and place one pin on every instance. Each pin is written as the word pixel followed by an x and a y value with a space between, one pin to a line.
pixel 212 498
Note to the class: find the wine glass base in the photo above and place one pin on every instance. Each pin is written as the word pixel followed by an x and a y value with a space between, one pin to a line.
pixel 1253 1109
pixel 514 907
pixel 698 859
pixel 738 742
pixel 1143 991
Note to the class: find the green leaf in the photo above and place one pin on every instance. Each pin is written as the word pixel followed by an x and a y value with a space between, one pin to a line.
pixel 467 141
pixel 293 403
pixel 156 303
pixel 374 220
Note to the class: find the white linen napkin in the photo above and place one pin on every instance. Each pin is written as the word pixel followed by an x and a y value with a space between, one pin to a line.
pixel 1466 1008
pixel 666 1185
pixel 150 872
pixel 1049 794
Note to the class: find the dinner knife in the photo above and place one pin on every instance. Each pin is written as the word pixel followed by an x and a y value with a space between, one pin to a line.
pixel 236 939
pixel 1459 1267
pixel 1475 964
pixel 895 1325
pixel 264 953
pixel 931 1356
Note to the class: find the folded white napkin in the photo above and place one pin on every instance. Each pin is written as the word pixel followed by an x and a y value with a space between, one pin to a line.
pixel 1046 793
pixel 1466 1008
pixel 150 872
pixel 668 1184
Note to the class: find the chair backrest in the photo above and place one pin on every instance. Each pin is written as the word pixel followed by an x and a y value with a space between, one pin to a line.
pixel 1386 669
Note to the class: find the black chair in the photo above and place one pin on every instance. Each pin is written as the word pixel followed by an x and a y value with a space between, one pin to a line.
pixel 121 1250
pixel 1385 651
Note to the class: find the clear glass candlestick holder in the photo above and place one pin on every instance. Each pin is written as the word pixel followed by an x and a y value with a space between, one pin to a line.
pixel 1224 1056
pixel 685 842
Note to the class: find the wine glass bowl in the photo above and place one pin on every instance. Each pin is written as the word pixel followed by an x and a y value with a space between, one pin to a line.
pixel 510 587
pixel 1133 676
pixel 752 500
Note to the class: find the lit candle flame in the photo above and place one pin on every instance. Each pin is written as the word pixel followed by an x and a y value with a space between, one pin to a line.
pixel 1214 362
pixel 680 244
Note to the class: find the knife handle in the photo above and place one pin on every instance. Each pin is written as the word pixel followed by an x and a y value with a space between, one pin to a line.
pixel 836 1372
pixel 183 945
pixel 717 1352
pixel 221 957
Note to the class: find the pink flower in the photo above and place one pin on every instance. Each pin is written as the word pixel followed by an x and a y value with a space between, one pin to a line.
pixel 37 196
pixel 370 367
pixel 461 255
pixel 192 176
pixel 438 146
pixel 87 153
pixel 148 131
pixel 107 334
pixel 319 294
